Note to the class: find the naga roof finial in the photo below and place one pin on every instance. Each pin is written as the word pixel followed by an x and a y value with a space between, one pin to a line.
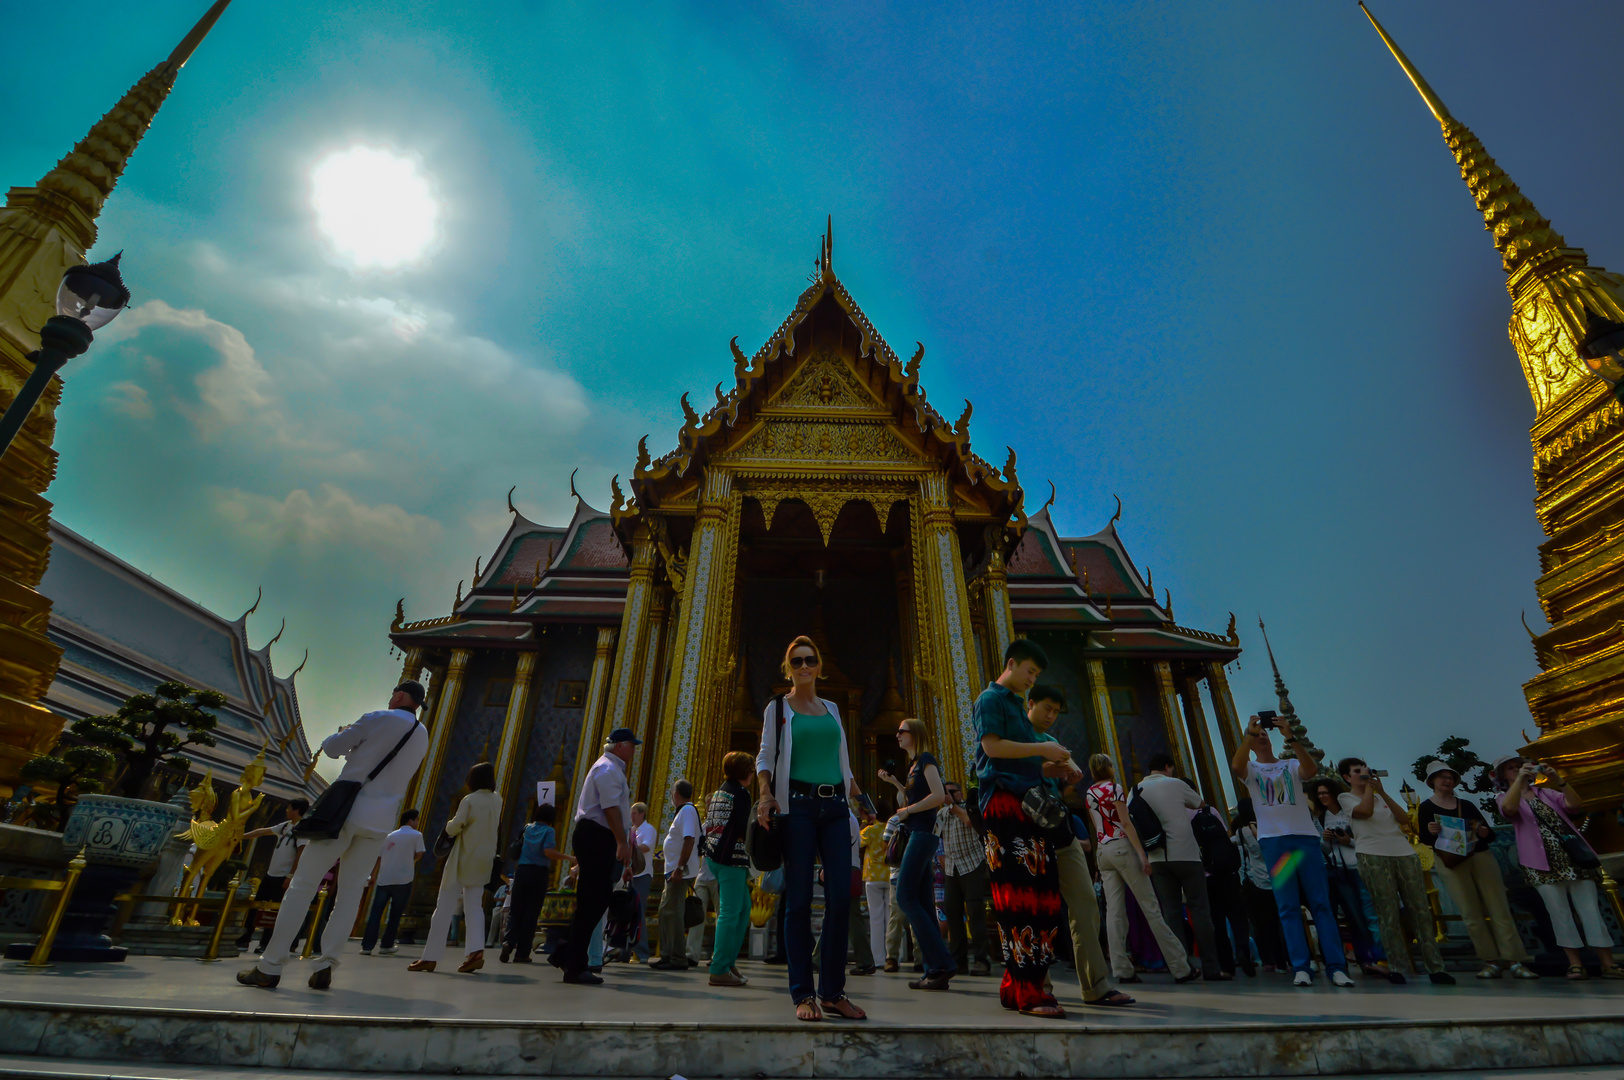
pixel 511 508
pixel 577 494
pixel 643 459
pixel 399 620
pixel 688 413
pixel 963 426
pixel 301 666
pixel 741 362
pixel 1116 517
pixel 1050 501
pixel 257 598
pixel 278 636
pixel 911 371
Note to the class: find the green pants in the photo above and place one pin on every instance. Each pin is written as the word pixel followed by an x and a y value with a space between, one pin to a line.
pixel 732 915
pixel 1391 878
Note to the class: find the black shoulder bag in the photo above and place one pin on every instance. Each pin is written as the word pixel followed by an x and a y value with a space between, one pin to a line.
pixel 332 807
pixel 766 844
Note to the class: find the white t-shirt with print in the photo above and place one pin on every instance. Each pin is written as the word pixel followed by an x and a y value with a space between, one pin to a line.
pixel 397 859
pixel 1277 794
pixel 684 825
pixel 283 855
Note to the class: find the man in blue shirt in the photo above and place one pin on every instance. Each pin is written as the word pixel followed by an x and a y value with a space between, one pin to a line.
pixel 1021 862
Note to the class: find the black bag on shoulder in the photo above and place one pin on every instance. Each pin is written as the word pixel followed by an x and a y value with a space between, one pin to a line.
pixel 332 807
pixel 766 844
pixel 1145 822
pixel 1218 853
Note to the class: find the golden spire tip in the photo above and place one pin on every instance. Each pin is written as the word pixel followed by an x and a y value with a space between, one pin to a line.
pixel 1439 110
pixel 188 44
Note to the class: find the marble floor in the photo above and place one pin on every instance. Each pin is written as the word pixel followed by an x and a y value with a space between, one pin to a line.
pixel 379 986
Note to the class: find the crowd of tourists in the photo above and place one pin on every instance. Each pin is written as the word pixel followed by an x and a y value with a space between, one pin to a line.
pixel 953 885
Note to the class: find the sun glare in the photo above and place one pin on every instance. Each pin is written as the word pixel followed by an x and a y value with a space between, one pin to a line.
pixel 374 206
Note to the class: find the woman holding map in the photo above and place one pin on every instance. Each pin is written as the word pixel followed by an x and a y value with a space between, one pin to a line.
pixel 1459 837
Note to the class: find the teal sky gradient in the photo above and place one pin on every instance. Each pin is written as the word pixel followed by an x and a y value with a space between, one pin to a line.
pixel 1214 259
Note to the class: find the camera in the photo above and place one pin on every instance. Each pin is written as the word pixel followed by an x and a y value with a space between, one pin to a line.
pixel 1378 772
pixel 1266 717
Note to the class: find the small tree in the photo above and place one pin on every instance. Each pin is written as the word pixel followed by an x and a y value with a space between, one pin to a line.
pixel 1474 772
pixel 162 722
pixel 82 762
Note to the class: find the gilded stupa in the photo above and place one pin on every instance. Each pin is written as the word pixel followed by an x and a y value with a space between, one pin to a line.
pixel 1560 302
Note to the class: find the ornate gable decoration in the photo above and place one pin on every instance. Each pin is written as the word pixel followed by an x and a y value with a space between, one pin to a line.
pixel 842 399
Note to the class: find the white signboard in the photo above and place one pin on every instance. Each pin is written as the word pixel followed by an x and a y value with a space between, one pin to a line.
pixel 546 792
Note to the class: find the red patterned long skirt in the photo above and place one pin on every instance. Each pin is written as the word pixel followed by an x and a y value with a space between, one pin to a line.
pixel 1026 904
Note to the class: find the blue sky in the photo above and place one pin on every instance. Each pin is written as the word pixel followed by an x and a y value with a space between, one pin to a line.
pixel 1213 259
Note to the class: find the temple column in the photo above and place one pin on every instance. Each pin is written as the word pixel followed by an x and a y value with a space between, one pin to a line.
pixel 699 646
pixel 943 612
pixel 1206 761
pixel 649 680
pixel 1105 733
pixel 412 667
pixel 1000 623
pixel 1172 716
pixel 1223 705
pixel 514 726
pixel 445 715
pixel 629 661
pixel 591 746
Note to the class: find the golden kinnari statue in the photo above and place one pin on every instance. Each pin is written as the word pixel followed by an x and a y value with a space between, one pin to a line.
pixel 217 840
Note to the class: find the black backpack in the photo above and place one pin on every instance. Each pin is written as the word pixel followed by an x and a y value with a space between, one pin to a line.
pixel 1145 822
pixel 1218 854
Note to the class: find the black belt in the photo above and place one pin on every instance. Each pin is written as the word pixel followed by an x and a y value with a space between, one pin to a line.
pixel 822 791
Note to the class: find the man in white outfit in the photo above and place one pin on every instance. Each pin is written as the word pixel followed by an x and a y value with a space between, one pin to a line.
pixel 364 745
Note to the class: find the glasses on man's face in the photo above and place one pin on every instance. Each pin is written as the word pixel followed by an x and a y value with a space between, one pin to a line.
pixel 798 662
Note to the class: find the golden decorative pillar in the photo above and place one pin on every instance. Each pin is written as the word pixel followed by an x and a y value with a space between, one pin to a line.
pixel 1105 733
pixel 591 745
pixel 45 230
pixel 624 683
pixel 412 667
pixel 514 726
pixel 1206 760
pixel 943 612
pixel 650 680
pixel 445 715
pixel 995 593
pixel 1172 716
pixel 1223 706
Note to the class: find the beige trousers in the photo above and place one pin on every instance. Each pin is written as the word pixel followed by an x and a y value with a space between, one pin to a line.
pixel 1480 894
pixel 1120 873
pixel 1077 889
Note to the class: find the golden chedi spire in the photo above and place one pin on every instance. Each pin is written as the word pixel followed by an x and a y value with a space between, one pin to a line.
pixel 1559 300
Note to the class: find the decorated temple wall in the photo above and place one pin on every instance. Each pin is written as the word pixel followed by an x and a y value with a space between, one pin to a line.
pixel 1140 721
pixel 477 724
pixel 558 707
pixel 1067 670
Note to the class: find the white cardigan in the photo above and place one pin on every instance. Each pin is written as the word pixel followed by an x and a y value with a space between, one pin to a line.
pixel 768 760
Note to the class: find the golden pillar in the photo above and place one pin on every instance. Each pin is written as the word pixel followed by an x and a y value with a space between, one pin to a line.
pixel 45 230
pixel 445 715
pixel 1105 733
pixel 701 664
pixel 590 748
pixel 514 726
pixel 648 705
pixel 995 583
pixel 624 683
pixel 1173 719
pixel 1206 759
pixel 1223 705
pixel 942 609
pixel 412 667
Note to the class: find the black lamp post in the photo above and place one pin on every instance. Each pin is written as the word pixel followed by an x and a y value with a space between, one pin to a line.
pixel 87 300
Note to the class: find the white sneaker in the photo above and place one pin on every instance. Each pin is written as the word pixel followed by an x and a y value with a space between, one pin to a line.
pixel 391 951
pixel 1340 978
pixel 1302 978
pixel 366 952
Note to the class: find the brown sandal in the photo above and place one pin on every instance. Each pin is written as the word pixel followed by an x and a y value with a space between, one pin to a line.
pixel 421 965
pixel 845 1008
pixel 473 963
pixel 814 1013
pixel 1045 1012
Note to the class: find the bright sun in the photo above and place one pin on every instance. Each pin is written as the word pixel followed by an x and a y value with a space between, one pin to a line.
pixel 374 206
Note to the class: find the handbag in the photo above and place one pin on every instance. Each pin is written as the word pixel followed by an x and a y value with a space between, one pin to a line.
pixel 896 845
pixel 1046 811
pixel 1580 854
pixel 444 843
pixel 693 911
pixel 765 844
pixel 326 818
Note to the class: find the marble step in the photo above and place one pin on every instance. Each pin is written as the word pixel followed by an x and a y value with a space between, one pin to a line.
pixel 277 1041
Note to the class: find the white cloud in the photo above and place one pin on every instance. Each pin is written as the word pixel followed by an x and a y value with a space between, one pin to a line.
pixel 131 399
pixel 332 520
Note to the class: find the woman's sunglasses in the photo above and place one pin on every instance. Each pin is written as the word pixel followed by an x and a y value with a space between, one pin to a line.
pixel 798 662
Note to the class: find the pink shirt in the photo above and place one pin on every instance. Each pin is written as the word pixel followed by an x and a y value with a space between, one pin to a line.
pixel 1530 848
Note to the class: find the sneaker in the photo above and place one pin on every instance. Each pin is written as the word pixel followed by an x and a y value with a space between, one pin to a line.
pixel 1303 978
pixel 891 964
pixel 1396 978
pixel 665 963
pixel 1491 970
pixel 726 978
pixel 585 978
pixel 981 969
pixel 868 969
pixel 1441 978
pixel 931 982
pixel 389 950
pixel 1519 971
pixel 1340 978
pixel 366 952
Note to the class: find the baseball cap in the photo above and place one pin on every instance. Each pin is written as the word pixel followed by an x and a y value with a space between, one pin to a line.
pixel 415 689
pixel 624 734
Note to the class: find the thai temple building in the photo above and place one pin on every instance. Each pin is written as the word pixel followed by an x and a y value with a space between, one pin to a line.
pixel 123 632
pixel 822 494
pixel 1563 311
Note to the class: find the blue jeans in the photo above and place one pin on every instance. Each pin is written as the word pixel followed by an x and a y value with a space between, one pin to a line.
pixel 916 896
pixel 396 897
pixel 1307 886
pixel 816 828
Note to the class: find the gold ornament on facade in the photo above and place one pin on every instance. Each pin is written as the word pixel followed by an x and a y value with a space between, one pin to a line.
pixel 217 840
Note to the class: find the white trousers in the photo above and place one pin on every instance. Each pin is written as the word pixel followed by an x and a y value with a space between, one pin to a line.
pixel 879 915
pixel 1583 895
pixel 452 893
pixel 355 850
pixel 1120 872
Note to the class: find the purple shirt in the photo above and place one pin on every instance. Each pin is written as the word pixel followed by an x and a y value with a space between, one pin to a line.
pixel 1530 847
